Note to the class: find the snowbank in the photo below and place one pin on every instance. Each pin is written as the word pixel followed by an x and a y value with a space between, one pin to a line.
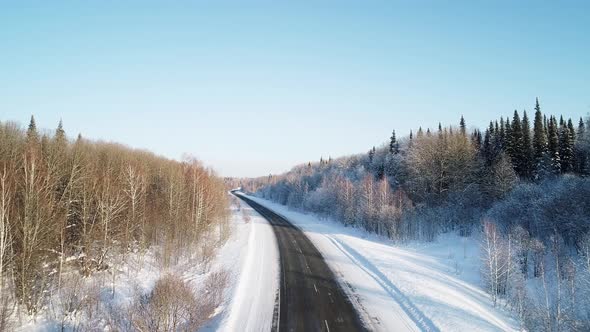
pixel 428 287
pixel 253 256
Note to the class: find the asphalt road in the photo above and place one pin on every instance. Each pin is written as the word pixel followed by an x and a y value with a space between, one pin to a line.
pixel 310 298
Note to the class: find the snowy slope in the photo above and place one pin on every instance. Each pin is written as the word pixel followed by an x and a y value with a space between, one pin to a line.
pixel 250 304
pixel 428 287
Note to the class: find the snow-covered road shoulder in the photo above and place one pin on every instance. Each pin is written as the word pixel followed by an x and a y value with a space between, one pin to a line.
pixel 253 259
pixel 420 287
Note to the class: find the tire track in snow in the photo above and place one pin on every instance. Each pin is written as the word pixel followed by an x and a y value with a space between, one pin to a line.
pixel 417 316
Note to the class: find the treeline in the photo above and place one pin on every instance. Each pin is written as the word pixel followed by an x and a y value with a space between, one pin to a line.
pixel 76 205
pixel 527 181
pixel 552 147
pixel 423 175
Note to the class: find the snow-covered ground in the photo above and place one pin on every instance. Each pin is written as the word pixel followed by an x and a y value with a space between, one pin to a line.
pixel 249 258
pixel 137 275
pixel 416 287
pixel 253 257
pixel 428 287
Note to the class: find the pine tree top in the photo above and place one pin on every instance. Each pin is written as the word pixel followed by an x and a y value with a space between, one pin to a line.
pixel 60 132
pixel 393 138
pixel 393 146
pixel 515 117
pixel 32 134
pixel 32 125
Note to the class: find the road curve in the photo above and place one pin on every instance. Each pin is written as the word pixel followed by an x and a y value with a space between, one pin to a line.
pixel 310 298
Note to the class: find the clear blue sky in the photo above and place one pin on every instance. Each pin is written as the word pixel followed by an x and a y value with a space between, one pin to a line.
pixel 255 89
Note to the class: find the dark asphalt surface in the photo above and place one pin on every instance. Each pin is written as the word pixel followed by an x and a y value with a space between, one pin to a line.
pixel 310 298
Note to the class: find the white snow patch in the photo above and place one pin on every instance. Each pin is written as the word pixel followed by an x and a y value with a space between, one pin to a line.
pixel 254 259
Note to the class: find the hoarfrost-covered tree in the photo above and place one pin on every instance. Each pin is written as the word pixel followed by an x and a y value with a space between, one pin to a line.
pixel 516 146
pixel 528 158
pixel 393 144
pixel 566 150
pixel 553 146
pixel 495 258
pixel 540 144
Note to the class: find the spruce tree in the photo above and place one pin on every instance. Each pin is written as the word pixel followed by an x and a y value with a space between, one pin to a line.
pixel 393 145
pixel 572 130
pixel 502 133
pixel 496 129
pixel 476 139
pixel 371 154
pixel 495 143
pixel 566 150
pixel 539 142
pixel 582 161
pixel 32 135
pixel 420 132
pixel 60 132
pixel 515 150
pixel 508 136
pixel 479 138
pixel 486 149
pixel 60 135
pixel 546 127
pixel 527 148
pixel 553 146
pixel 462 126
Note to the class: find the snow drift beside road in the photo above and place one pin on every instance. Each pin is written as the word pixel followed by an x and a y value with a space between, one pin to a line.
pixel 253 257
pixel 428 287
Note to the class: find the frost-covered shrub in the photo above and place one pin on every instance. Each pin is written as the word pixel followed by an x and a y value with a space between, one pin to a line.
pixel 321 201
pixel 559 205
pixel 171 306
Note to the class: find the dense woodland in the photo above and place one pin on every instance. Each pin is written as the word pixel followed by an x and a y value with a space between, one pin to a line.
pixel 520 185
pixel 78 207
